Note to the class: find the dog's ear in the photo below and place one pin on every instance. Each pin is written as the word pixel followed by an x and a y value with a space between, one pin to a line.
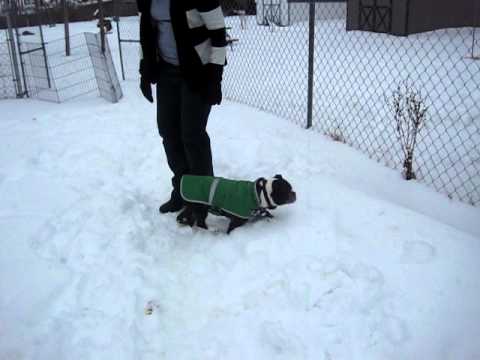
pixel 278 176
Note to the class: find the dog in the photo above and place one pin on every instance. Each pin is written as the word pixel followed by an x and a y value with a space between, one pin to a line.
pixel 239 200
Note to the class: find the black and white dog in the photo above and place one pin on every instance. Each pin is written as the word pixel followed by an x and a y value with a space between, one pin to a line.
pixel 241 201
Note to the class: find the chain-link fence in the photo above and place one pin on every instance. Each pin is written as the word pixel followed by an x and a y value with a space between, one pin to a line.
pixel 7 84
pixel 353 75
pixel 127 29
pixel 9 77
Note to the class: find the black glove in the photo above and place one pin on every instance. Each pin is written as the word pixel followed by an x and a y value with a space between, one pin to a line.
pixel 146 89
pixel 147 70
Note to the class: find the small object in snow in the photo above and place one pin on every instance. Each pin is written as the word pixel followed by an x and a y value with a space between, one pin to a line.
pixel 151 305
pixel 26 32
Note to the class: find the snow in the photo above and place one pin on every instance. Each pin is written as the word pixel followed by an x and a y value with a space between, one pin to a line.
pixel 363 266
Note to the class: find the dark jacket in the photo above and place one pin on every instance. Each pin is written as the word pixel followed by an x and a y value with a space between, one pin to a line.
pixel 199 30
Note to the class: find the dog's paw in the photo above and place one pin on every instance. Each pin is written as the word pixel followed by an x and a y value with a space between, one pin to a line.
pixel 186 218
pixel 202 224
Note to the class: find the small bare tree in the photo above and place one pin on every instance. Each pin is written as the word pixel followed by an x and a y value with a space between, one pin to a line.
pixel 410 113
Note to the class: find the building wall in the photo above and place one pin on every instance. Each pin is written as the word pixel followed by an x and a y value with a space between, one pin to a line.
pixel 426 15
pixel 323 11
pixel 414 16
pixel 398 20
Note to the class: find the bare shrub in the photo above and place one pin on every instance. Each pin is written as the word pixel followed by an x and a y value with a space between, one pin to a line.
pixel 410 113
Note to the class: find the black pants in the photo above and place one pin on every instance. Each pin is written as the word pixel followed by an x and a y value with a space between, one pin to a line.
pixel 182 116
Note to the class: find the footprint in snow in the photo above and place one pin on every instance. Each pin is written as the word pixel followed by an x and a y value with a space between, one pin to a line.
pixel 417 252
pixel 281 343
pixel 395 330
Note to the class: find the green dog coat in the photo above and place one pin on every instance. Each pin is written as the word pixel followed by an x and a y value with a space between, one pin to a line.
pixel 236 197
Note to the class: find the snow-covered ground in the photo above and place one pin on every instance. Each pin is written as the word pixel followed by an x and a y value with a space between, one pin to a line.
pixel 363 266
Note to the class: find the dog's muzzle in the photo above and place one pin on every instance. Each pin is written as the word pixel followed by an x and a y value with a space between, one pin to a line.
pixel 292 197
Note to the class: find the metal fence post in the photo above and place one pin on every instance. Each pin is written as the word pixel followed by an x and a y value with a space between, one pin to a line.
pixel 20 53
pixel 117 20
pixel 101 23
pixel 311 50
pixel 66 27
pixel 476 21
pixel 13 53
pixel 42 40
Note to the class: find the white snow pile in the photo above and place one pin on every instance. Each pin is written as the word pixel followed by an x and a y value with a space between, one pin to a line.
pixel 363 266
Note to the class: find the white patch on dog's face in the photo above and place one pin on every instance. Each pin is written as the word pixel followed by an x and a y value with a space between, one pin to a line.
pixel 269 188
pixel 265 196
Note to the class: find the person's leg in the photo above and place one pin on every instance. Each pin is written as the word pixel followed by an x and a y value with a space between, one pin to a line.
pixel 195 139
pixel 196 142
pixel 169 92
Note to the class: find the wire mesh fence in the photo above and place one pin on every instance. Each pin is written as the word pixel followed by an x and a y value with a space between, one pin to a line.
pixel 127 29
pixel 104 69
pixel 354 74
pixel 71 76
pixel 52 76
pixel 7 84
pixel 56 70
pixel 46 73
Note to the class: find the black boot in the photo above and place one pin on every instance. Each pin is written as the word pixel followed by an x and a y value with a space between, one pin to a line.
pixel 170 206
pixel 173 205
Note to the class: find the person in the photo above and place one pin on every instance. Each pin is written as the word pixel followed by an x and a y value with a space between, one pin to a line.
pixel 183 53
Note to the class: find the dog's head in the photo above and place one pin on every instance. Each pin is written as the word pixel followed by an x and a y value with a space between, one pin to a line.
pixel 282 192
pixel 275 192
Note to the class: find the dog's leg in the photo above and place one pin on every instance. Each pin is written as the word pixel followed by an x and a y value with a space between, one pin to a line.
pixel 200 213
pixel 234 223
pixel 267 214
pixel 262 214
pixel 186 216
